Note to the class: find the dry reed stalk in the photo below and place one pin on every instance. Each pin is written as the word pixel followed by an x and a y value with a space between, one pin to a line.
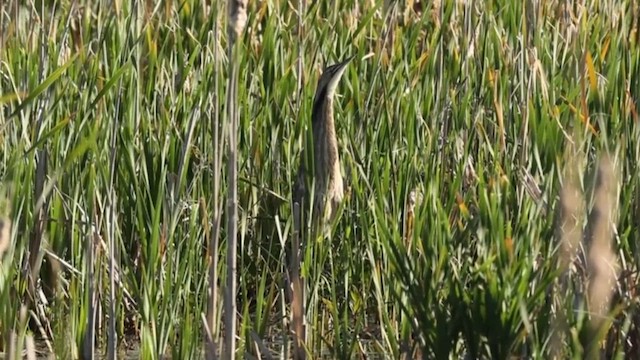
pixel 237 21
pixel 211 328
pixel 295 280
pixel 5 235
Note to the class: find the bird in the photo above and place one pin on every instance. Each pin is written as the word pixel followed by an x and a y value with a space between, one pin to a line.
pixel 327 195
pixel 328 182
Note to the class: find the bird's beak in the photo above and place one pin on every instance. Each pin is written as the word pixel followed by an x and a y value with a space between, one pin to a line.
pixel 346 62
pixel 340 67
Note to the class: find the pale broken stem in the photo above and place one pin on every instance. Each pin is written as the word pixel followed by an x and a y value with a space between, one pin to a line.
pixel 569 231
pixel 602 264
pixel 5 234
pixel 571 217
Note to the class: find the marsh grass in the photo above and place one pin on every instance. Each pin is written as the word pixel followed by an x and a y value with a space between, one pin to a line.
pixel 471 135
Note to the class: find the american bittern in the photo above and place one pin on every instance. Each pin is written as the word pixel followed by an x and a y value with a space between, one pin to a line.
pixel 328 189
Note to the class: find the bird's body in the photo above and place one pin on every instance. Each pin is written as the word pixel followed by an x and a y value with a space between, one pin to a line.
pixel 327 195
pixel 328 178
pixel 328 188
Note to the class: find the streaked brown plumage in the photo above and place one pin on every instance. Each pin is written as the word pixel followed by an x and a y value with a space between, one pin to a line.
pixel 328 192
pixel 329 188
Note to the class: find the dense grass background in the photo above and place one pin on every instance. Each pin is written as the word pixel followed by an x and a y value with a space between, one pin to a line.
pixel 470 137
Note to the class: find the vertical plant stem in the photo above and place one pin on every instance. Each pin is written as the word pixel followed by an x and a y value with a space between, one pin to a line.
pixel 89 335
pixel 111 234
pixel 41 173
pixel 301 7
pixel 40 218
pixel 237 21
pixel 297 284
pixel 232 217
pixel 218 148
pixel 112 338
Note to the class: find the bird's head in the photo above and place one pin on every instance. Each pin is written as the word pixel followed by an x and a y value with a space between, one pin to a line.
pixel 329 80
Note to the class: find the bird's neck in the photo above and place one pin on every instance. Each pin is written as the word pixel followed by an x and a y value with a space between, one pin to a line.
pixel 324 138
pixel 323 112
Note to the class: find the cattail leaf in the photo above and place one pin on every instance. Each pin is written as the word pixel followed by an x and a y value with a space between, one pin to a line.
pixel 44 85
